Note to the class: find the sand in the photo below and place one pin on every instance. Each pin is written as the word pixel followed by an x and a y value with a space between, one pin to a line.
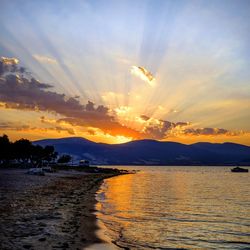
pixel 55 211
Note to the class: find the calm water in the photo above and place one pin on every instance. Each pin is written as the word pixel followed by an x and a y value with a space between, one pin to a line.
pixel 177 207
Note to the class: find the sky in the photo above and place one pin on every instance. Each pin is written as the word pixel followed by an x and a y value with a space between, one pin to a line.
pixel 116 71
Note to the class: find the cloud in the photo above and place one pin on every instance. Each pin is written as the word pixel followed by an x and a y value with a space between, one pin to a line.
pixel 209 131
pixel 122 110
pixel 144 117
pixel 9 61
pixel 143 74
pixel 61 129
pixel 11 126
pixel 10 65
pixel 21 91
pixel 162 129
pixel 91 132
pixel 55 122
pixel 111 127
pixel 18 92
pixel 159 129
pixel 111 96
pixel 45 59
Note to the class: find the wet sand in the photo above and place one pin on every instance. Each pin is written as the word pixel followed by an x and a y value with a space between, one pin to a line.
pixel 55 211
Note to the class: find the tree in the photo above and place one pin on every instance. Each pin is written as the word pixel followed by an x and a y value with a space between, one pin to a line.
pixel 23 150
pixel 64 159
pixel 49 153
pixel 37 155
pixel 5 148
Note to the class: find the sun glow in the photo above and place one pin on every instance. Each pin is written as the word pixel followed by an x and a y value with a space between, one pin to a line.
pixel 170 82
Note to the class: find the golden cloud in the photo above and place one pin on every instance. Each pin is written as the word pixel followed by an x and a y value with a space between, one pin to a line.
pixel 123 110
pixel 9 61
pixel 143 74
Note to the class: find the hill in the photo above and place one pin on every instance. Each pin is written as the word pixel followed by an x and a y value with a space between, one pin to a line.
pixel 151 152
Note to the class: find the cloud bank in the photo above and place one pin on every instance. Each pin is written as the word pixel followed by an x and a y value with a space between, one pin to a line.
pixel 162 129
pixel 19 90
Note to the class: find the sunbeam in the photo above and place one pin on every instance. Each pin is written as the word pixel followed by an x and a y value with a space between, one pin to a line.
pixel 173 62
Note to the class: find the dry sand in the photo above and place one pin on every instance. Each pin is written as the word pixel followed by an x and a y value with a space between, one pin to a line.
pixel 54 211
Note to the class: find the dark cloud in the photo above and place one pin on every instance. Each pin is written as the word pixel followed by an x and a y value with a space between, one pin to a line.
pixel 160 130
pixel 207 131
pixel 163 129
pixel 22 93
pixel 145 117
pixel 19 92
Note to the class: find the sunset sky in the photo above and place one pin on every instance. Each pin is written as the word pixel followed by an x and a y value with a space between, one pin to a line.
pixel 116 71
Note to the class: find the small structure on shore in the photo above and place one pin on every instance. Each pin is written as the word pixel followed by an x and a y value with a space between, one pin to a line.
pixel 239 170
pixel 84 163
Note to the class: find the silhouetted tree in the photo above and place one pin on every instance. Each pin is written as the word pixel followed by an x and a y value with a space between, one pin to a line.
pixel 36 155
pixel 64 159
pixel 23 151
pixel 49 153
pixel 5 148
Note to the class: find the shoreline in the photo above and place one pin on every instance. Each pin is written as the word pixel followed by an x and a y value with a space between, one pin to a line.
pixel 55 211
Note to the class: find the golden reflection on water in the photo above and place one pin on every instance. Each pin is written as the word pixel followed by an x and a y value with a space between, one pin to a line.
pixel 121 190
pixel 206 208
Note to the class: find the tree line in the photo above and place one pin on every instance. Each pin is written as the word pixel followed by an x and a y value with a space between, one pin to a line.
pixel 23 152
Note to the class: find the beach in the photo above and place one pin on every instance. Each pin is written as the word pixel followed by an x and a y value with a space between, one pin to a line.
pixel 55 211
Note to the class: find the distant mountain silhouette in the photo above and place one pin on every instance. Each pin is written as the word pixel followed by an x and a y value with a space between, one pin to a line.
pixel 151 152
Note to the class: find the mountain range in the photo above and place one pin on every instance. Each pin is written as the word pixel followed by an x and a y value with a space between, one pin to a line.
pixel 151 152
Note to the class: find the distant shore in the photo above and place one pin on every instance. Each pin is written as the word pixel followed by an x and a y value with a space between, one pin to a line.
pixel 55 211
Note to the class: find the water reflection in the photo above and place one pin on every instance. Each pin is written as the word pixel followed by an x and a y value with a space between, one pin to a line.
pixel 173 207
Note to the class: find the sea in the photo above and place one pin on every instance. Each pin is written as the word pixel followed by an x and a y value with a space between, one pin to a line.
pixel 176 208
